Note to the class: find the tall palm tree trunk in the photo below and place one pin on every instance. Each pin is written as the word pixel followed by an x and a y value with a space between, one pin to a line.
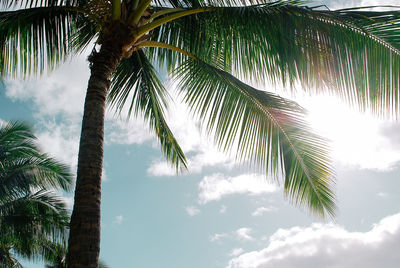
pixel 84 240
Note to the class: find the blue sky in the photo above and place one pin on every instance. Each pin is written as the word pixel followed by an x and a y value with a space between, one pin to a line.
pixel 221 214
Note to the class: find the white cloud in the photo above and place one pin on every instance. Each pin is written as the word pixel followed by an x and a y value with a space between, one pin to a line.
pixel 118 219
pixel 122 131
pixel 261 210
pixel 61 92
pixel 328 245
pixel 235 252
pixel 244 234
pixel 382 194
pixel 241 234
pixel 222 210
pixel 217 237
pixel 216 186
pixel 60 141
pixel 192 210
pixel 337 4
pixel 161 169
pixel 200 158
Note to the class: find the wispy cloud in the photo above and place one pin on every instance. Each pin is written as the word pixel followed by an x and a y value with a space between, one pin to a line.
pixel 235 252
pixel 223 209
pixel 244 234
pixel 261 210
pixel 217 186
pixel 192 210
pixel 118 219
pixel 382 194
pixel 217 237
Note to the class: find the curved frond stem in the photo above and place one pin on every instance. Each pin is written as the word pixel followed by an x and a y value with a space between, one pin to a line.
pixel 165 12
pixel 157 23
pixel 349 26
pixel 137 14
pixel 116 9
pixel 163 45
pixel 135 4
pixel 366 7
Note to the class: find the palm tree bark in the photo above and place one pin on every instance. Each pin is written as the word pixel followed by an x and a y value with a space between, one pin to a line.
pixel 84 240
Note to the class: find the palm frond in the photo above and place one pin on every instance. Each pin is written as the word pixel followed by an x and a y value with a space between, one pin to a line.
pixel 135 81
pixel 266 129
pixel 41 171
pixel 207 3
pixel 6 257
pixel 6 4
pixel 353 54
pixel 16 141
pixel 36 43
pixel 23 166
pixel 383 25
pixel 31 225
pixel 86 30
pixel 57 257
pixel 39 214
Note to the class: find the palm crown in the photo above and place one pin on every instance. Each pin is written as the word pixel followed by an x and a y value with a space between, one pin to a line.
pixel 353 53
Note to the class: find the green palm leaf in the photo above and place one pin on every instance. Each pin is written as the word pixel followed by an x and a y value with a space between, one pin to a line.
pixel 285 42
pixel 31 223
pixel 38 3
pixel 266 129
pixel 7 259
pixel 23 167
pixel 136 82
pixel 36 43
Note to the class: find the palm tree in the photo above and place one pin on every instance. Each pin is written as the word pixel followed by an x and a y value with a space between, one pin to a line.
pixel 32 218
pixel 353 53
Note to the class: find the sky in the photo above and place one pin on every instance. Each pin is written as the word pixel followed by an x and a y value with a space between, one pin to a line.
pixel 221 214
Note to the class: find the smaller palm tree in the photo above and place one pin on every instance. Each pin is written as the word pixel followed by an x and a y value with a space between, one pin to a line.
pixel 33 219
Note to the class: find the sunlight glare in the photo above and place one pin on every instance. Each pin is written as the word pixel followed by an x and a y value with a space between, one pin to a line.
pixel 356 138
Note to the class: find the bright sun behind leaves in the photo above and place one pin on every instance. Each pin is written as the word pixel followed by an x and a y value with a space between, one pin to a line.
pixel 357 138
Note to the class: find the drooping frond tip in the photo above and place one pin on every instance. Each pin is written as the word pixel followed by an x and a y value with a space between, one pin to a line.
pixel 264 129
